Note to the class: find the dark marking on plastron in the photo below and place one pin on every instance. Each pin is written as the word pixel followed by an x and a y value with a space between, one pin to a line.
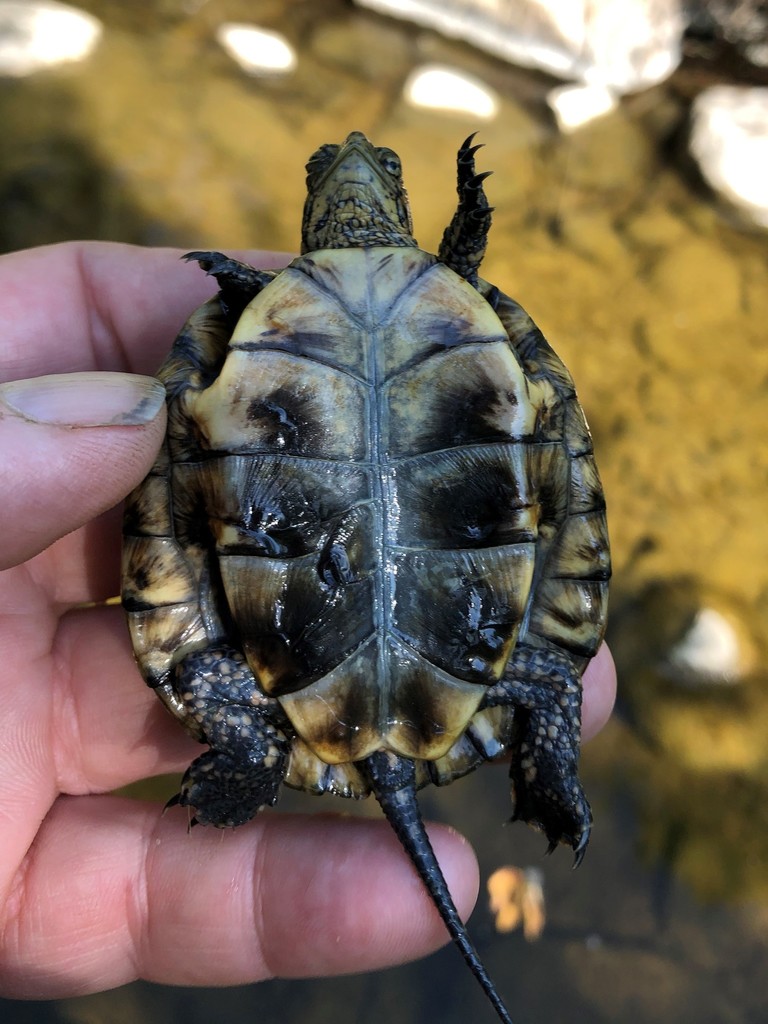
pixel 471 419
pixel 438 509
pixel 333 567
pixel 281 339
pixel 418 705
pixel 355 711
pixel 141 579
pixel 279 417
pixel 275 664
pixel 452 332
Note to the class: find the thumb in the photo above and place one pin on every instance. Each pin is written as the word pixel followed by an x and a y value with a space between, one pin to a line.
pixel 71 446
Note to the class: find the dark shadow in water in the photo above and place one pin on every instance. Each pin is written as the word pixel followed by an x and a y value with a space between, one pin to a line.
pixel 53 185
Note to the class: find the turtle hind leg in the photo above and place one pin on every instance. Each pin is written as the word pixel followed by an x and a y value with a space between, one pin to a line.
pixel 393 782
pixel 245 766
pixel 545 689
pixel 465 239
pixel 239 282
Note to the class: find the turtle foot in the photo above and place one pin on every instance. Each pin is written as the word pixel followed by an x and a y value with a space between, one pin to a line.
pixel 226 792
pixel 464 241
pixel 546 791
pixel 544 687
pixel 239 281
pixel 555 805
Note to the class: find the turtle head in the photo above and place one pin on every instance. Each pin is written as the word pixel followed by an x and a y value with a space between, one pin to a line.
pixel 355 198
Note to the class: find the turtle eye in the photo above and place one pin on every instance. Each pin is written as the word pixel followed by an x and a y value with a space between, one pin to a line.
pixel 390 161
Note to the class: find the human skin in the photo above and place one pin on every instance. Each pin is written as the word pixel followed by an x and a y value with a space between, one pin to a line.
pixel 97 890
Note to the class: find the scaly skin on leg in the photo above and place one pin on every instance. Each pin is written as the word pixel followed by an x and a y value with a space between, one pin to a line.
pixel 465 239
pixel 242 772
pixel 544 687
pixel 239 282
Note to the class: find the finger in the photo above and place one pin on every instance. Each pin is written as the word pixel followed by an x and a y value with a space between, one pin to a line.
pixel 73 446
pixel 115 730
pixel 599 693
pixel 98 305
pixel 84 566
pixel 112 892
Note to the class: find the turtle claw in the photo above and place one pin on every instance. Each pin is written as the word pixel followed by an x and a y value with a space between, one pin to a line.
pixel 477 180
pixel 174 801
pixel 214 263
pixel 177 801
pixel 206 259
pixel 554 803
pixel 467 150
pixel 580 849
pixel 579 844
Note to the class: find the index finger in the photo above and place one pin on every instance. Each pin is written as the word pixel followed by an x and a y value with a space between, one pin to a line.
pixel 98 306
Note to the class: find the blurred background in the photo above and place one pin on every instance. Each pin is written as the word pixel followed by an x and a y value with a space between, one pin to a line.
pixel 629 141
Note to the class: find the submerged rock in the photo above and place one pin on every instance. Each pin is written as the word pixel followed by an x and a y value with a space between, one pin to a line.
pixel 729 141
pixel 577 105
pixel 620 46
pixel 256 50
pixel 436 87
pixel 714 650
pixel 36 35
pixel 684 637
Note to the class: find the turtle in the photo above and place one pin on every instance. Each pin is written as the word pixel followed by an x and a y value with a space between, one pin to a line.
pixel 372 553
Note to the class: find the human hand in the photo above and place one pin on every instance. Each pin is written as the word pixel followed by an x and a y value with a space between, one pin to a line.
pixel 97 890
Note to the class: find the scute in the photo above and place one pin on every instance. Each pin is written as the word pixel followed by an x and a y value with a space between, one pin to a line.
pixel 438 510
pixel 462 609
pixel 284 404
pixel 434 312
pixel 462 396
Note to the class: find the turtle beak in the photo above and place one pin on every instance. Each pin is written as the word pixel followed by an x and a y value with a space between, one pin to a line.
pixel 358 139
pixel 356 163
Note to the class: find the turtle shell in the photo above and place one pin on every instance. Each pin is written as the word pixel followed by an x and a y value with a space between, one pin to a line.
pixel 357 487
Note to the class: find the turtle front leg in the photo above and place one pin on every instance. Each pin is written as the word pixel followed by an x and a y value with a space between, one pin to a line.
pixel 239 282
pixel 242 772
pixel 544 686
pixel 466 237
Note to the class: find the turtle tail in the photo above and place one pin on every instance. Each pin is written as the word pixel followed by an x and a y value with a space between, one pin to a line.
pixel 393 781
